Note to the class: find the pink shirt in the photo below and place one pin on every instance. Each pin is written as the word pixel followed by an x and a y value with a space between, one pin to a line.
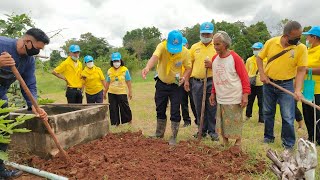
pixel 230 79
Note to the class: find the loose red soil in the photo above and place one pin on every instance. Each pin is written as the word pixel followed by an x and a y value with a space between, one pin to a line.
pixel 132 156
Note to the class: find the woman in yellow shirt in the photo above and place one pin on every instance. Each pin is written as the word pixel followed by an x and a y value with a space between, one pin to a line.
pixel 313 43
pixel 118 80
pixel 93 81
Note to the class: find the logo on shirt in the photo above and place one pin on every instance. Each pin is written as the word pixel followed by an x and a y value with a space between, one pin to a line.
pixel 292 53
pixel 197 50
pixel 178 64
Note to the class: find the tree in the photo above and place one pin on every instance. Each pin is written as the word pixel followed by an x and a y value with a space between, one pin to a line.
pixel 192 34
pixel 257 33
pixel 142 42
pixel 15 25
pixel 55 57
pixel 280 26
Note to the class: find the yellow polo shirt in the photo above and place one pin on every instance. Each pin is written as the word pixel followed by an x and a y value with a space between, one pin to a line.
pixel 314 62
pixel 92 80
pixel 284 67
pixel 171 64
pixel 252 68
pixel 118 80
pixel 199 53
pixel 71 72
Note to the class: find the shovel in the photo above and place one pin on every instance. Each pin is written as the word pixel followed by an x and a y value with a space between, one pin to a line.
pixel 36 106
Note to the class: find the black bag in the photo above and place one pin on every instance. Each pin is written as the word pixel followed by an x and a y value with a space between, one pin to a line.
pixel 6 76
pixel 253 79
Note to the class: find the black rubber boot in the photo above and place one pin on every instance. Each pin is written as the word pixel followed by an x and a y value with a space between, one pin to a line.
pixel 175 129
pixel 161 128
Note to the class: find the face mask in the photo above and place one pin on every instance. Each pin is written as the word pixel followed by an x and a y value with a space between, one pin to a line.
pixel 294 41
pixel 90 65
pixel 33 51
pixel 308 44
pixel 205 40
pixel 74 58
pixel 116 64
pixel 256 52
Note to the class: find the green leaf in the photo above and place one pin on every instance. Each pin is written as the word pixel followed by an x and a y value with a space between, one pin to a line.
pixel 6 121
pixel 5 141
pixel 21 130
pixel 4 156
pixel 25 117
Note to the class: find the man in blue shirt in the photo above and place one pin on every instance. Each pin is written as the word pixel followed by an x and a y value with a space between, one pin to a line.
pixel 19 53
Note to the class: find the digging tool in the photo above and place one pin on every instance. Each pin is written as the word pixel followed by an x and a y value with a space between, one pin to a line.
pixel 203 105
pixel 36 106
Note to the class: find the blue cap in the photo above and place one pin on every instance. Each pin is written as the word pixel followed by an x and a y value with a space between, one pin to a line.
pixel 88 58
pixel 184 41
pixel 74 48
pixel 206 27
pixel 174 42
pixel 115 56
pixel 257 45
pixel 315 30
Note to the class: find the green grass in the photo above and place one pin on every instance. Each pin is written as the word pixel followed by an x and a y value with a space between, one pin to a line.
pixel 144 119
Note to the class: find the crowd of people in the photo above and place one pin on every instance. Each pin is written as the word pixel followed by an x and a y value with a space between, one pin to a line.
pixel 208 73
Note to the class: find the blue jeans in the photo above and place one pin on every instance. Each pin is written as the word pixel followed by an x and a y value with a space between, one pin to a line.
pixel 272 95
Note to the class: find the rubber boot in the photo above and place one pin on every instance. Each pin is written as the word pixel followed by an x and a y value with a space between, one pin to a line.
pixel 175 129
pixel 161 128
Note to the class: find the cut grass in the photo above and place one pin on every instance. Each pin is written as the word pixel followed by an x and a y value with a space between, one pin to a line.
pixel 144 119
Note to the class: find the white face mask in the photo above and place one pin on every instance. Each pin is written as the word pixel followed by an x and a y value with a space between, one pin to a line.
pixel 74 58
pixel 205 40
pixel 116 64
pixel 90 64
pixel 308 44
pixel 256 52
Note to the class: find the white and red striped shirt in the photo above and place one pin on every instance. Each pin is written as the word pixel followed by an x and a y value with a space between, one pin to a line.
pixel 230 79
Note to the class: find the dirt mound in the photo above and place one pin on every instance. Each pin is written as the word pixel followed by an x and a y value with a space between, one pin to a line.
pixel 132 156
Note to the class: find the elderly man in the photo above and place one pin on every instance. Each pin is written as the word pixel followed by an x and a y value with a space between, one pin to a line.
pixel 171 56
pixel 70 71
pixel 19 53
pixel 199 52
pixel 287 59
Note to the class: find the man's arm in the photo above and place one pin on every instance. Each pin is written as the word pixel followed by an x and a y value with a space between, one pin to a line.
pixel 263 77
pixel 152 61
pixel 60 76
pixel 301 71
pixel 315 71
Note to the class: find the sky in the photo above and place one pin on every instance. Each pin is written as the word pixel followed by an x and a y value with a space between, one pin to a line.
pixel 111 19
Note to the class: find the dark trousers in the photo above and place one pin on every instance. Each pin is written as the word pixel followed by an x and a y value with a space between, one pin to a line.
pixel 185 106
pixel 164 92
pixel 308 113
pixel 119 103
pixel 256 91
pixel 74 95
pixel 209 123
pixel 95 98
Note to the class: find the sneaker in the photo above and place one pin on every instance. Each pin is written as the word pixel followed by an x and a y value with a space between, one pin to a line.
pixel 214 137
pixel 266 140
pixel 6 174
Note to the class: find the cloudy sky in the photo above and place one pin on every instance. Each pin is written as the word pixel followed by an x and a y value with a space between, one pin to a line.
pixel 111 19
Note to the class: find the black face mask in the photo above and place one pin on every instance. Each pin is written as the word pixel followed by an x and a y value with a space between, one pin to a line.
pixel 33 51
pixel 294 41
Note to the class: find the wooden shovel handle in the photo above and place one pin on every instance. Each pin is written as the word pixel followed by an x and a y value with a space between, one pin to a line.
pixel 203 105
pixel 36 106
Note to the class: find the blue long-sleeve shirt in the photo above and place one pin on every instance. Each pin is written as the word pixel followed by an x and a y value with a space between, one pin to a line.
pixel 25 65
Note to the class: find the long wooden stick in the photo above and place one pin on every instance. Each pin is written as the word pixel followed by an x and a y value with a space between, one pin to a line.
pixel 292 94
pixel 203 105
pixel 35 104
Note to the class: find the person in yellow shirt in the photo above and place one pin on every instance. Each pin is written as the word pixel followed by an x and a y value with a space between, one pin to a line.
pixel 171 56
pixel 93 81
pixel 118 80
pixel 70 71
pixel 313 43
pixel 282 70
pixel 200 52
pixel 256 84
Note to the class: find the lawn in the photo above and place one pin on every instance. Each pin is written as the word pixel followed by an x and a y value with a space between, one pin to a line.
pixel 144 118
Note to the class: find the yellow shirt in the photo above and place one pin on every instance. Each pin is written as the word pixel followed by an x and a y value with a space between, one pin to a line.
pixel 71 72
pixel 92 80
pixel 117 82
pixel 252 68
pixel 284 67
pixel 314 62
pixel 199 53
pixel 171 64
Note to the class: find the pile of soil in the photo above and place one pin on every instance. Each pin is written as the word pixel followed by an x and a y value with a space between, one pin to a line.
pixel 133 156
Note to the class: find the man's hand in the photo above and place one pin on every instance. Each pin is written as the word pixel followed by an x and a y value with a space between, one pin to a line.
pixel 130 95
pixel 145 72
pixel 41 114
pixel 207 63
pixel 264 78
pixel 244 100
pixel 6 60
pixel 298 95
pixel 212 99
pixel 186 86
